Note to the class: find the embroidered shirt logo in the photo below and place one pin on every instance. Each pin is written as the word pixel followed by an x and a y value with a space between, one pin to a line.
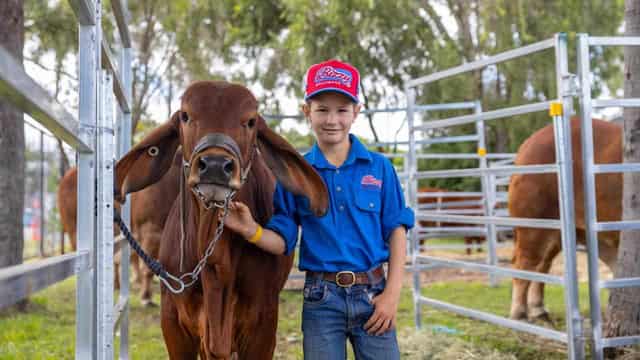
pixel 369 181
pixel 329 73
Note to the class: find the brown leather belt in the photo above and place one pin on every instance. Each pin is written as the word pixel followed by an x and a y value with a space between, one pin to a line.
pixel 350 278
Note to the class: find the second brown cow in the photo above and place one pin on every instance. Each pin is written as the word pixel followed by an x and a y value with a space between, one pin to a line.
pixel 149 210
pixel 536 196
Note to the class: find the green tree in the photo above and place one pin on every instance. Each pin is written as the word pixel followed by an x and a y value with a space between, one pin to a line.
pixel 12 143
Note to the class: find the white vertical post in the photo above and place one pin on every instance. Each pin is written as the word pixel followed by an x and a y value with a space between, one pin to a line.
pixel 125 145
pixel 412 189
pixel 104 250
pixel 88 69
pixel 490 229
pixel 43 188
pixel 562 125
pixel 589 194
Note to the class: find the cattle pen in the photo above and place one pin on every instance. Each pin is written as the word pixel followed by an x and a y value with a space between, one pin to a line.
pixel 104 83
pixel 560 109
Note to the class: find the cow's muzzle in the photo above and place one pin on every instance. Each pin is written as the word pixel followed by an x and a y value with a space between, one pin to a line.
pixel 215 169
pixel 216 177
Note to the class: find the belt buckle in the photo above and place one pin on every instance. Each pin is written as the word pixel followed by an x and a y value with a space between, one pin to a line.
pixel 353 278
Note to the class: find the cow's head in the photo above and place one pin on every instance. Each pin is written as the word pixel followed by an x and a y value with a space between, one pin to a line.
pixel 219 129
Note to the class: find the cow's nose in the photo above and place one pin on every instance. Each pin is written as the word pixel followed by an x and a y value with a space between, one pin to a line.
pixel 215 169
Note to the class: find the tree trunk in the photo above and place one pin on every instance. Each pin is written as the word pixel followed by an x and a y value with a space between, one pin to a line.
pixel 623 312
pixel 12 144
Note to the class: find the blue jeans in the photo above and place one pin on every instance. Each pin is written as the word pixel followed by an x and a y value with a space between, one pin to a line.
pixel 332 314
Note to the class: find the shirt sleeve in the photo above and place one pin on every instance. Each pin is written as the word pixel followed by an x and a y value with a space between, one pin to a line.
pixel 285 219
pixel 394 210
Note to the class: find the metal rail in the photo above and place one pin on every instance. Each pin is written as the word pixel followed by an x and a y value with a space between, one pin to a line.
pixel 488 175
pixel 20 281
pixel 19 88
pixel 593 226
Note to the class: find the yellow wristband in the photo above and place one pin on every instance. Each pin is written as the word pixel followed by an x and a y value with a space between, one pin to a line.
pixel 257 236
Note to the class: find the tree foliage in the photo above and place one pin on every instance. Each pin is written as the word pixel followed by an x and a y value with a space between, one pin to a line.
pixel 270 44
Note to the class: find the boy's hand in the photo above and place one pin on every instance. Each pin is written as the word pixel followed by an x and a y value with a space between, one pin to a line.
pixel 384 314
pixel 240 220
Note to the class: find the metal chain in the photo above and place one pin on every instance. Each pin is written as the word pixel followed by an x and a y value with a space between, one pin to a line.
pixel 193 276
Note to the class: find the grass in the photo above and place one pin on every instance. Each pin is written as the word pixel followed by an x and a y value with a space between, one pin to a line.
pixel 47 329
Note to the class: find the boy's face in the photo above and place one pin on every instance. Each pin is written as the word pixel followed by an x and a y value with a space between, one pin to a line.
pixel 331 115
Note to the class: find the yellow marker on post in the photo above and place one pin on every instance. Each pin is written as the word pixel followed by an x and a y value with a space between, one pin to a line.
pixel 482 152
pixel 555 109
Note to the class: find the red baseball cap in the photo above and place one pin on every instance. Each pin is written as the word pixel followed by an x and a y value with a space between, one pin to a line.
pixel 332 75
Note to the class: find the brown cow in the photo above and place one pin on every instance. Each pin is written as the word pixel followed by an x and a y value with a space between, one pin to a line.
pixel 468 240
pixel 149 210
pixel 233 306
pixel 536 196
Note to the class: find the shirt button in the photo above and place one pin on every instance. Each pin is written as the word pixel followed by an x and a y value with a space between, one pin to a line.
pixel 337 171
pixel 371 205
pixel 338 188
pixel 341 207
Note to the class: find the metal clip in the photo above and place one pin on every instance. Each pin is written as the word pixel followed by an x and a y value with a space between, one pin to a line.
pixel 573 85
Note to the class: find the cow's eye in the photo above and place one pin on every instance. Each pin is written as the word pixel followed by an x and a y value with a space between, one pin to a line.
pixel 251 123
pixel 184 116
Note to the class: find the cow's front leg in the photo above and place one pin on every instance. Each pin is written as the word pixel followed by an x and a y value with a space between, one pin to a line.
pixel 180 345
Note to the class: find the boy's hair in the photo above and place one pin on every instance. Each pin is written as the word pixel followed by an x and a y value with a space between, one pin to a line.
pixel 334 76
pixel 309 100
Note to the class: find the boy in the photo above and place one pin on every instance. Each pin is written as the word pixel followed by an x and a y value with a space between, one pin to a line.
pixel 346 295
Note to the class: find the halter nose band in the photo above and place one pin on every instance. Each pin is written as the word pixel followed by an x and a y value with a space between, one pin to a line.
pixel 218 140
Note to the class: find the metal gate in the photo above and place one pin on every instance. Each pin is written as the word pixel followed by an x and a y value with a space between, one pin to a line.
pixel 593 226
pixel 92 135
pixel 561 110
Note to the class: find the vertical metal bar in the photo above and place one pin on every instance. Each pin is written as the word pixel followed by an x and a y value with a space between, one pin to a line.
pixel 42 190
pixel 565 187
pixel 412 189
pixel 125 145
pixel 490 229
pixel 88 67
pixel 61 171
pixel 104 250
pixel 588 178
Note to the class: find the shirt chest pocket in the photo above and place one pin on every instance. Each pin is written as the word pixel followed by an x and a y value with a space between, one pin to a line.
pixel 368 201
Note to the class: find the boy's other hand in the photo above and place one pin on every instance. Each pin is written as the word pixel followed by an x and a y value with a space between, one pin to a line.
pixel 240 220
pixel 383 318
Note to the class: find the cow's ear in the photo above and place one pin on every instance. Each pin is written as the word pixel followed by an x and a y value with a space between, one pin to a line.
pixel 291 169
pixel 147 161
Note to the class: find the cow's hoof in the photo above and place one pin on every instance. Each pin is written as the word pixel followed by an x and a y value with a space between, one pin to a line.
pixel 539 315
pixel 148 303
pixel 519 313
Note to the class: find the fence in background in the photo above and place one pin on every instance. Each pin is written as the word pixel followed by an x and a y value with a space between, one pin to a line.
pixel 566 223
pixel 101 79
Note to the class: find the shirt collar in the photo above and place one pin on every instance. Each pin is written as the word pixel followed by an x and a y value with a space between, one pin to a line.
pixel 356 151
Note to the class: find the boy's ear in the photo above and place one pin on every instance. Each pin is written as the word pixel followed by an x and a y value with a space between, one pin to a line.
pixel 356 110
pixel 306 109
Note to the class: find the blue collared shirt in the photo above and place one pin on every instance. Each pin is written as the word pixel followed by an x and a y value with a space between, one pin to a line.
pixel 366 204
